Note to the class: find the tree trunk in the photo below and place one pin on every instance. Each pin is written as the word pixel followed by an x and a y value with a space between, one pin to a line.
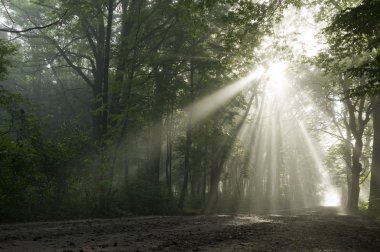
pixel 205 164
pixel 99 79
pixel 214 187
pixel 186 165
pixel 188 141
pixel 348 162
pixel 107 55
pixel 155 149
pixel 374 196
pixel 356 169
pixel 357 125
pixel 169 152
pixel 157 126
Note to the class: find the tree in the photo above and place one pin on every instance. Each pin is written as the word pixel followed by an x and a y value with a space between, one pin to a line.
pixel 90 62
pixel 358 26
pixel 361 24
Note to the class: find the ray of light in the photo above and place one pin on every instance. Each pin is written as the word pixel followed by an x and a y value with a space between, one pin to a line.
pixel 206 106
pixel 330 197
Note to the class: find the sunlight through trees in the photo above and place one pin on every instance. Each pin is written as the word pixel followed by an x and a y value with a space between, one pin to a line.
pixel 113 108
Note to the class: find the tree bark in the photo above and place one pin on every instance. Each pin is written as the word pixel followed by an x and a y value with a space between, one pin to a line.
pixel 169 153
pixel 188 141
pixel 186 166
pixel 374 196
pixel 107 57
pixel 157 127
pixel 356 123
pixel 356 169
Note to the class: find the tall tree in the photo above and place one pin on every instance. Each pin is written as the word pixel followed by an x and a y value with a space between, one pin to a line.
pixel 361 24
pixel 358 26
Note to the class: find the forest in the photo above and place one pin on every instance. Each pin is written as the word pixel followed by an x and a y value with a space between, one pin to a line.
pixel 115 108
pixel 190 125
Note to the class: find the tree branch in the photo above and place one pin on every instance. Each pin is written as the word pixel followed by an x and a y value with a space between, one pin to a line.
pixel 69 62
pixel 331 134
pixel 6 10
pixel 35 27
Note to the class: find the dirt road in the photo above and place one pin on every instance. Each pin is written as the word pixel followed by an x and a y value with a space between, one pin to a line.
pixel 308 231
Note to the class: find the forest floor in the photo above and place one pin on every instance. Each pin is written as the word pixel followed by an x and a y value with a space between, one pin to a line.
pixel 321 229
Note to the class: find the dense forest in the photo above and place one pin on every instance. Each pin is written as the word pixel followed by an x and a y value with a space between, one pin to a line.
pixel 114 108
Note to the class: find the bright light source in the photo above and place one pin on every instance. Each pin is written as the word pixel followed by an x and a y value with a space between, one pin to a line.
pixel 308 109
pixel 277 81
pixel 277 68
pixel 331 197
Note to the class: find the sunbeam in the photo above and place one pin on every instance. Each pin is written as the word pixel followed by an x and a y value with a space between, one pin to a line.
pixel 279 177
pixel 207 105
pixel 201 125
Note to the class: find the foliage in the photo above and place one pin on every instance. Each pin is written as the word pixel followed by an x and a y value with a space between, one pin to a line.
pixel 44 178
pixel 6 49
pixel 144 198
pixel 360 26
pixel 40 177
pixel 363 206
pixel 97 122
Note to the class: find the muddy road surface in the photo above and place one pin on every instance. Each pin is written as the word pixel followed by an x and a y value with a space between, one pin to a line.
pixel 316 230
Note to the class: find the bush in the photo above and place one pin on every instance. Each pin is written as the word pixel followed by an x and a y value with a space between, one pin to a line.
pixel 363 206
pixel 143 197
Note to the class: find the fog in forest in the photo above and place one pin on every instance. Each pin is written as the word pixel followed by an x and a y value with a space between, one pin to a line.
pixel 128 108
